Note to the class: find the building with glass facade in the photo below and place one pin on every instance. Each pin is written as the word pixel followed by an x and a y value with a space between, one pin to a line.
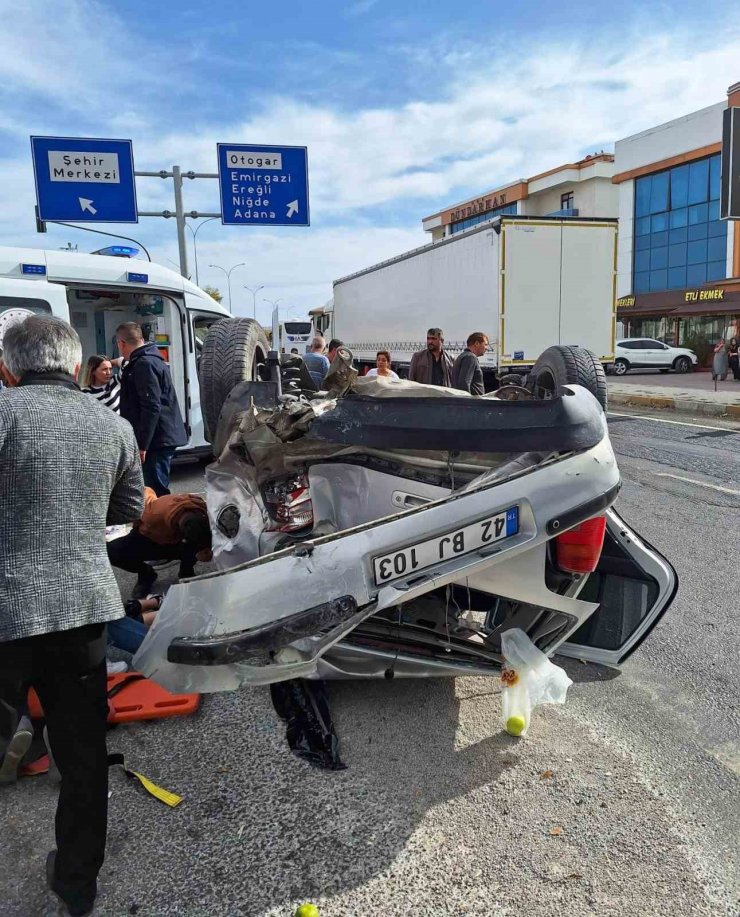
pixel 678 274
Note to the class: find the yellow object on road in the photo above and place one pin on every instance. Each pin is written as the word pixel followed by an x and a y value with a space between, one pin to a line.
pixel 307 910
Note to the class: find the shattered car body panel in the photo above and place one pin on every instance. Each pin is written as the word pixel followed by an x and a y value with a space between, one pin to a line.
pixel 415 563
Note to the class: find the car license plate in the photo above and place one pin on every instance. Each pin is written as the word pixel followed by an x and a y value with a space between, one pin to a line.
pixel 425 554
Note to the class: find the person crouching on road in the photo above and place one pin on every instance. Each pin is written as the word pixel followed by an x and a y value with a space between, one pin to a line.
pixel 432 366
pixel 149 403
pixel 466 372
pixel 173 527
pixel 57 589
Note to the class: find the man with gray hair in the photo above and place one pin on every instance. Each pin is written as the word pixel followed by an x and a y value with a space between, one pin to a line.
pixel 316 363
pixel 68 467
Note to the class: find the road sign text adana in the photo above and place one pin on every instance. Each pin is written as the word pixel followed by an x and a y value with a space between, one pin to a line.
pixel 263 185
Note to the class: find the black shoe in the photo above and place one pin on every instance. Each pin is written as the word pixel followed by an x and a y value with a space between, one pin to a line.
pixel 74 910
pixel 144 584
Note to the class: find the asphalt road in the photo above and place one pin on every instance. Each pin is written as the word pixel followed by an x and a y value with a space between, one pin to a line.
pixel 622 802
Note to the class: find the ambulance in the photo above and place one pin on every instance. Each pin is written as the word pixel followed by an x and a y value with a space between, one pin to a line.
pixel 96 292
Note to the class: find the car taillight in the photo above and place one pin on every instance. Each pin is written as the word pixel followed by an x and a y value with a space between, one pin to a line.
pixel 578 550
pixel 289 504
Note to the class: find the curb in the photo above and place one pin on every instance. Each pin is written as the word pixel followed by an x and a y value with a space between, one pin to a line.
pixel 680 405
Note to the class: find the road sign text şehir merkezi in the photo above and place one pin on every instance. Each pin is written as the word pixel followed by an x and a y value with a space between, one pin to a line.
pixel 84 179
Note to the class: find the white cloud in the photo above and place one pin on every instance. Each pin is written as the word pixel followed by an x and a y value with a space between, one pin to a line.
pixel 375 171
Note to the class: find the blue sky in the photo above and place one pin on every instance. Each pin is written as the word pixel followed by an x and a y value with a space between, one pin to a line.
pixel 405 108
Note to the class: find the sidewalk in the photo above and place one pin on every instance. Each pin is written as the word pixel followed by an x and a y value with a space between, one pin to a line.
pixel 690 394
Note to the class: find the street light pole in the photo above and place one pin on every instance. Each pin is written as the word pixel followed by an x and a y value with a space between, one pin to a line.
pixel 254 291
pixel 228 277
pixel 195 244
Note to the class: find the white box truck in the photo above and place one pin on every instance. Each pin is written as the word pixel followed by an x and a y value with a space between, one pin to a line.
pixel 527 282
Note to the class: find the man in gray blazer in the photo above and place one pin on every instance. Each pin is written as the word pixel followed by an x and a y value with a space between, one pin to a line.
pixel 68 467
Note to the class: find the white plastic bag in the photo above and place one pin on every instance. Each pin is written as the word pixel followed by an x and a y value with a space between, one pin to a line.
pixel 528 679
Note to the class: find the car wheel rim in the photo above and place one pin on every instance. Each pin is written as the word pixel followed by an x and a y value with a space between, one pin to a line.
pixel 620 369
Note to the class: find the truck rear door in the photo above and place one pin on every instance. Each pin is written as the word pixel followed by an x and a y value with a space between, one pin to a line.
pixel 587 291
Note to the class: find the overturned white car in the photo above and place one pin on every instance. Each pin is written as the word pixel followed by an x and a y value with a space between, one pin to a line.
pixel 390 529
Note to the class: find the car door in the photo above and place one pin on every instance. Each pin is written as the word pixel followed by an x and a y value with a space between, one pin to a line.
pixel 634 586
pixel 654 353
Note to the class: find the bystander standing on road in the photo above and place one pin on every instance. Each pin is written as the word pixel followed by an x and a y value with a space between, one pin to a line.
pixel 334 345
pixel 316 363
pixel 466 372
pixel 100 382
pixel 382 367
pixel 734 359
pixel 57 589
pixel 149 403
pixel 432 366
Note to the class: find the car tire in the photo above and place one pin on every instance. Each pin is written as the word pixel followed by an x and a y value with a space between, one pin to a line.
pixel 620 367
pixel 682 365
pixel 232 352
pixel 561 365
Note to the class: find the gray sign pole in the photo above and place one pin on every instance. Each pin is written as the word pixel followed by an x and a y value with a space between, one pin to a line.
pixel 179 214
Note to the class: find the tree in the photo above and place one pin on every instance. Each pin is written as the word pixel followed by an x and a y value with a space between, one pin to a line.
pixel 213 293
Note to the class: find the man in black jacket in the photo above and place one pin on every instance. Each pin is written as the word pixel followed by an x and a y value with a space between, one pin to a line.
pixel 149 403
pixel 466 372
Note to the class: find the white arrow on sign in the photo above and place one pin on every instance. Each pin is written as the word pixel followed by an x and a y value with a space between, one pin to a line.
pixel 292 208
pixel 85 204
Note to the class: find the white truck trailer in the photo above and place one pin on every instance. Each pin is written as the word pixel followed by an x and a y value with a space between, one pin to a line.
pixel 527 282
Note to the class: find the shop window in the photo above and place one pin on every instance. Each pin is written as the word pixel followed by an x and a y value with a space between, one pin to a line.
pixel 678 233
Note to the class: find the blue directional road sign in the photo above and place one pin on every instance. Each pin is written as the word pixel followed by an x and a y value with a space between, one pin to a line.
pixel 84 180
pixel 263 185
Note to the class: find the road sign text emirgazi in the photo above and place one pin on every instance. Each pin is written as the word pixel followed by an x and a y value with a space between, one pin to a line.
pixel 263 185
pixel 84 179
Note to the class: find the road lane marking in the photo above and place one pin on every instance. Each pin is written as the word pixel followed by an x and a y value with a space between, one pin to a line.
pixel 678 477
pixel 678 423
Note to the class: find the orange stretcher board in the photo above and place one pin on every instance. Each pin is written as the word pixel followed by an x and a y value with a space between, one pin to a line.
pixel 136 699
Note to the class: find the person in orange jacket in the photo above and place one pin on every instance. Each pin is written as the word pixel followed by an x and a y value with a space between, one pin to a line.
pixel 172 527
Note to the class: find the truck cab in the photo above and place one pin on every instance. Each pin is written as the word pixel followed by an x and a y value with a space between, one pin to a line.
pixel 96 292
